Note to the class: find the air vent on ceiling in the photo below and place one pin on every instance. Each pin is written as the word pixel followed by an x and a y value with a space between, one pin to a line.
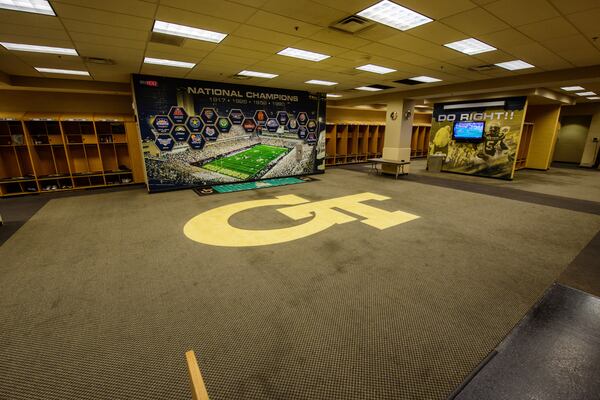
pixel 98 60
pixel 483 68
pixel 241 77
pixel 169 40
pixel 352 24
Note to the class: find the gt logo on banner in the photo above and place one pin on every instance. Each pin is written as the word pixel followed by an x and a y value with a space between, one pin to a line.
pixel 212 227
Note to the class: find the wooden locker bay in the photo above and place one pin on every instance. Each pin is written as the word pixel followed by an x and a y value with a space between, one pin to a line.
pixel 58 152
pixel 353 142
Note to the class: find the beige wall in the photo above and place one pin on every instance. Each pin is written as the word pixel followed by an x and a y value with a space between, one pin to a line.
pixel 571 138
pixel 30 101
pixel 543 139
pixel 355 115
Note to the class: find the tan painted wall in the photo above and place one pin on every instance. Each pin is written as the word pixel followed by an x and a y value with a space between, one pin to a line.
pixel 30 101
pixel 545 131
pixel 571 138
pixel 355 115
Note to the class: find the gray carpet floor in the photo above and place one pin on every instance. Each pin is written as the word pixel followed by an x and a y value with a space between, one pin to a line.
pixel 103 294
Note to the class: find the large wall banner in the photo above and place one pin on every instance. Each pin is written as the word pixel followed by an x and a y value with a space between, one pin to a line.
pixel 197 133
pixel 478 138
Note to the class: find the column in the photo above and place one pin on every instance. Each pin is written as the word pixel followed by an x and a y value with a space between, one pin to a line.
pixel 398 133
pixel 592 143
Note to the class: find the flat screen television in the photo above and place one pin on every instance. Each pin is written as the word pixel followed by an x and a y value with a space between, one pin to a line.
pixel 468 130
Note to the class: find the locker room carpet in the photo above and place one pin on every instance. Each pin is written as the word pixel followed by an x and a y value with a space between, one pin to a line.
pixel 103 294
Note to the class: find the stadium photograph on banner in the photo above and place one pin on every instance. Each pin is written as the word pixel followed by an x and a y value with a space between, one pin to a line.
pixel 197 133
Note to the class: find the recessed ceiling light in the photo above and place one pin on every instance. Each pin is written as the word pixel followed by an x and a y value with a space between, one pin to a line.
pixel 318 82
pixel 594 98
pixel 586 94
pixel 257 74
pixel 39 49
pixel 31 6
pixel 188 32
pixel 515 65
pixel 169 63
pixel 368 88
pixel 470 46
pixel 303 54
pixel 376 69
pixel 425 79
pixel 62 71
pixel 572 88
pixel 394 15
pixel 333 95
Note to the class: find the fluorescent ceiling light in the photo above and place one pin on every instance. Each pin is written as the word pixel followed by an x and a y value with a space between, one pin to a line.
pixel 188 32
pixel 515 65
pixel 586 94
pixel 376 69
pixel 318 82
pixel 62 71
pixel 333 95
pixel 470 46
pixel 257 74
pixel 594 98
pixel 425 79
pixel 572 88
pixel 394 15
pixel 39 49
pixel 368 89
pixel 303 54
pixel 169 63
pixel 31 6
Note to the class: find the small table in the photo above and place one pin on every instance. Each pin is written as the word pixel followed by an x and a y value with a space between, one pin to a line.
pixel 398 164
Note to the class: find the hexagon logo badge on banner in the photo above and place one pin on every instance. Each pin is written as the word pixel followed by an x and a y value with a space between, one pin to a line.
pixel 236 116
pixel 302 118
pixel 249 125
pixel 178 115
pixel 180 133
pixel 260 116
pixel 292 125
pixel 196 141
pixel 311 139
pixel 282 118
pixel 210 133
pixel 165 142
pixel 302 132
pixel 311 125
pixel 162 124
pixel 272 125
pixel 194 124
pixel 223 125
pixel 209 116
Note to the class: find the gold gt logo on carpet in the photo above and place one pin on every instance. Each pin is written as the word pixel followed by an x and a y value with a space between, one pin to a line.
pixel 212 227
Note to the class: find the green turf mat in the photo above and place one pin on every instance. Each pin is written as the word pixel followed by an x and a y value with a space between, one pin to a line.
pixel 237 187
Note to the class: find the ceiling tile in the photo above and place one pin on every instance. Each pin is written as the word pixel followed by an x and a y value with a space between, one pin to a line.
pixel 282 24
pixel 437 32
pixel 476 21
pixel 437 9
pixel 105 30
pixel 341 39
pixel 519 12
pixel 101 17
pixel 587 22
pixel 548 29
pixel 131 7
pixel 573 6
pixel 222 9
pixel 305 10
pixel 252 32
